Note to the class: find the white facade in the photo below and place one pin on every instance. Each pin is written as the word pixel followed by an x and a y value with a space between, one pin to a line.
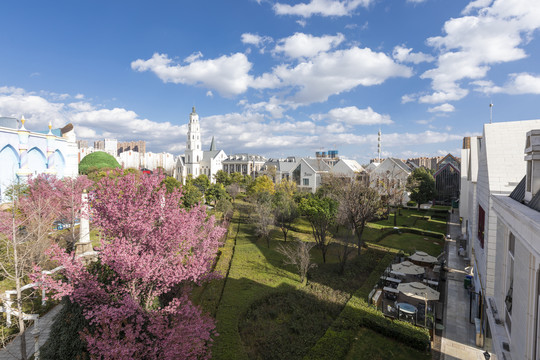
pixel 348 168
pixel 245 164
pixel 390 176
pixel 491 170
pixel 148 160
pixel 307 174
pixel 24 153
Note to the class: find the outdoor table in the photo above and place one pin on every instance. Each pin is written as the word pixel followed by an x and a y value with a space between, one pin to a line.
pixel 394 280
pixel 392 290
pixel 431 282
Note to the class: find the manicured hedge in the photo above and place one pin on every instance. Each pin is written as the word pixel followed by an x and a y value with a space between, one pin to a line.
pixel 337 340
pixel 390 230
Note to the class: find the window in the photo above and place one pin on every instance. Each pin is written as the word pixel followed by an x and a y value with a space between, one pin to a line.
pixel 305 182
pixel 481 224
pixel 509 282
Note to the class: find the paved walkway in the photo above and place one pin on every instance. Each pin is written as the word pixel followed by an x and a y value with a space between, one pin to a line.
pixel 458 341
pixel 13 350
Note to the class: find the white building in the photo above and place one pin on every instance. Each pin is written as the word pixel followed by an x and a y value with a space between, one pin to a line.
pixel 390 177
pixel 24 153
pixel 502 237
pixel 347 168
pixel 308 172
pixel 196 161
pixel 245 164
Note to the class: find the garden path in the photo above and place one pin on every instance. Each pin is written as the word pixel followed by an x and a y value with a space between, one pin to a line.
pixel 12 350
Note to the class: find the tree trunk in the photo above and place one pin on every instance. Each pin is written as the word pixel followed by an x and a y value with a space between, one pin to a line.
pixel 359 236
pixel 21 320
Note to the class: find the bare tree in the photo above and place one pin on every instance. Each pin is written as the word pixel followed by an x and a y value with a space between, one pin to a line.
pixel 24 236
pixel 298 254
pixel 359 204
pixel 233 190
pixel 263 217
pixel 285 211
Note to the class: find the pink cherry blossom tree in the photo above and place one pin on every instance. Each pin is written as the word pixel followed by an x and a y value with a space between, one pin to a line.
pixel 152 249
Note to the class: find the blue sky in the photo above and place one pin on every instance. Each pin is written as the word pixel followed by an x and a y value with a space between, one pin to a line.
pixel 276 78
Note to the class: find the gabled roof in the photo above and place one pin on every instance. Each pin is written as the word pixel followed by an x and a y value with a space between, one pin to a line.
pixel 352 164
pixel 451 157
pixel 317 164
pixel 518 194
pixel 287 166
pixel 445 167
pixel 211 154
pixel 401 164
pixel 372 166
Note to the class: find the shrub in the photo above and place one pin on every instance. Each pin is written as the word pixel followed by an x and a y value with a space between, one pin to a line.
pixel 96 161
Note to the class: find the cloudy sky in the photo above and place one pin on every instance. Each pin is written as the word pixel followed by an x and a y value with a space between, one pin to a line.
pixel 276 77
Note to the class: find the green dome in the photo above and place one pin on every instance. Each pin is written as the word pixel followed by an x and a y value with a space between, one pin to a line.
pixel 96 161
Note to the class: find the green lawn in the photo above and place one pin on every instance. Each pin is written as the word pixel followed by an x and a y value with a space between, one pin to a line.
pixel 410 243
pixel 263 311
pixel 370 345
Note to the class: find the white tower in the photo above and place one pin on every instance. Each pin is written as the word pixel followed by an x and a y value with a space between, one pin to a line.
pixel 194 152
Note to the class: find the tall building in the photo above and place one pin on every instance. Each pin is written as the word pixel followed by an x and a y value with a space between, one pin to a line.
pixel 110 146
pixel 194 153
pixel 499 200
pixel 196 161
pixel 139 146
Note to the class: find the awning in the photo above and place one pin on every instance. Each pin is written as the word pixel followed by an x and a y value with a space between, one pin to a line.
pixel 418 291
pixel 423 257
pixel 408 268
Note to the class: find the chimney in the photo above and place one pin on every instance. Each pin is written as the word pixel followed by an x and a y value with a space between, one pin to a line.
pixel 532 157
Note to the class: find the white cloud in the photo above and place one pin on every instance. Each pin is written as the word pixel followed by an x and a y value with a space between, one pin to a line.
pixel 408 98
pixel 518 83
pixel 476 4
pixel 335 72
pixel 79 96
pixel 229 75
pixel 403 54
pixel 256 40
pixel 354 116
pixel 321 7
pixel 193 57
pixel 209 93
pixel 301 22
pixel 446 108
pixel 471 44
pixel 416 1
pixel 302 45
pixel 89 122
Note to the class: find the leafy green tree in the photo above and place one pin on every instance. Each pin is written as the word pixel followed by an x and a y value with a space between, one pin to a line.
pixel 191 195
pixel 321 213
pixel 214 193
pixel 233 190
pixel 285 211
pixel 286 186
pixel 261 184
pixel 421 186
pixel 171 184
pixel 201 182
pixel 237 178
pixel 223 178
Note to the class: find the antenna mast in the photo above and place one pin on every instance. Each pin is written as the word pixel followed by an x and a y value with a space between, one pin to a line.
pixel 379 147
pixel 490 111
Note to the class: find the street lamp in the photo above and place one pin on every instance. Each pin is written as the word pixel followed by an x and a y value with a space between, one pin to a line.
pixel 486 355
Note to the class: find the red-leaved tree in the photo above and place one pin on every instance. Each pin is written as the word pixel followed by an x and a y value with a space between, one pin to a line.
pixel 151 248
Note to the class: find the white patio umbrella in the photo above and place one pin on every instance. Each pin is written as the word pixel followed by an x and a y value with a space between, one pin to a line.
pixel 408 268
pixel 418 291
pixel 423 257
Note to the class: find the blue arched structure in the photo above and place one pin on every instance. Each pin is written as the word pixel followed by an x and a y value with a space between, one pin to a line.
pixel 9 160
pixel 59 163
pixel 36 161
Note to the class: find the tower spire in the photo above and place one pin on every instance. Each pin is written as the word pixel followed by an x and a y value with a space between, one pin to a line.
pixel 212 145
